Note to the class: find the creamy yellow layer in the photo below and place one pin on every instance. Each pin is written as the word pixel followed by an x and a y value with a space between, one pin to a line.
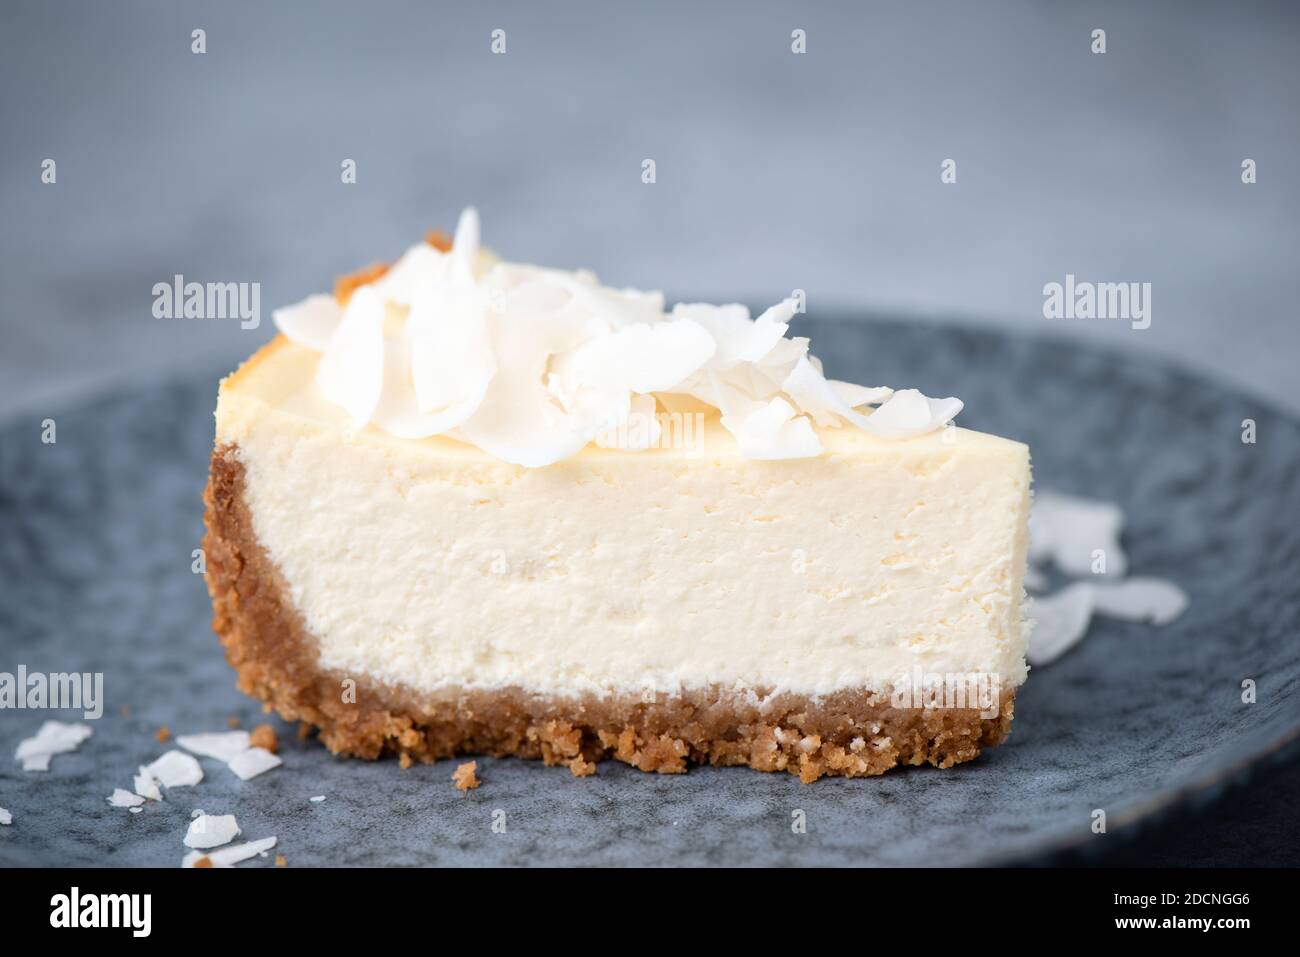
pixel 430 563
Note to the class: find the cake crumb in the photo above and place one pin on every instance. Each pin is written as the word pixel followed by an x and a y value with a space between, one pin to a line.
pixel 465 777
pixel 232 722
pixel 404 760
pixel 438 240
pixel 263 736
pixel 304 730
pixel 163 734
pixel 581 768
pixel 347 284
pixel 204 861
pixel 280 861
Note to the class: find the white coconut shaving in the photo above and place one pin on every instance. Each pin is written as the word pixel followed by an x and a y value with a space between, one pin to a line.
pixel 532 364
pixel 1150 600
pixel 234 748
pixel 54 737
pixel 6 817
pixel 212 830
pixel 1060 622
pixel 124 798
pixel 222 745
pixel 1072 533
pixel 317 799
pixel 230 856
pixel 175 769
pixel 1076 534
pixel 311 322
pixel 146 785
pixel 254 761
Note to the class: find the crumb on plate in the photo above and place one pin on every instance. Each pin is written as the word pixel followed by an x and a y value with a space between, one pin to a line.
pixel 465 777
pixel 263 736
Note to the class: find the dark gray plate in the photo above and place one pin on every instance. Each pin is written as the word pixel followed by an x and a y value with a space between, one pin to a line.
pixel 96 533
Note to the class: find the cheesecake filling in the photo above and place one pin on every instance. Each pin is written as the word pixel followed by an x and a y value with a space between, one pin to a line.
pixel 852 732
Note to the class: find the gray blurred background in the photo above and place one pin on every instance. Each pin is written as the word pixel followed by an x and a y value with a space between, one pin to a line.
pixel 775 170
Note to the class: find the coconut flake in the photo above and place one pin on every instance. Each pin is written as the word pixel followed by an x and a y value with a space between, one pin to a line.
pixel 855 396
pixel 440 379
pixel 466 242
pixel 775 367
pixel 1060 622
pixel 643 431
pixel 6 817
pixel 637 431
pixel 253 762
pixel 909 413
pixel 146 785
pixel 583 298
pixel 211 830
pixel 647 357
pixel 736 337
pixel 531 364
pixel 1150 600
pixel 54 737
pixel 222 745
pixel 124 798
pixel 175 769
pixel 773 431
pixel 519 420
pixel 597 383
pixel 1072 527
pixel 351 372
pixel 416 271
pixel 311 323
pixel 824 400
pixel 1068 530
pixel 229 856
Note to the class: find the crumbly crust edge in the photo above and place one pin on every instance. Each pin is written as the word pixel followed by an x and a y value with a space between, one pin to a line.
pixel 851 733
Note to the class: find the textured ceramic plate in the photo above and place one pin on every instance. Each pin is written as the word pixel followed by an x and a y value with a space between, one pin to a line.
pixel 96 533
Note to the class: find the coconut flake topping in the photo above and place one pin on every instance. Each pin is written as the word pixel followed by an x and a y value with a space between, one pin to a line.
pixel 54 737
pixel 532 364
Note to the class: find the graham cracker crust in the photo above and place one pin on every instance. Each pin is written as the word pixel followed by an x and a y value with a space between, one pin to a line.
pixel 852 733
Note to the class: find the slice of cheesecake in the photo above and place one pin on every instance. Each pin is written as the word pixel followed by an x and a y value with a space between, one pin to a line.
pixel 472 507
